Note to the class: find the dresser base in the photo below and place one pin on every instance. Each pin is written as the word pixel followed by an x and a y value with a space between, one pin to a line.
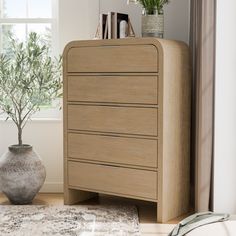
pixel 72 196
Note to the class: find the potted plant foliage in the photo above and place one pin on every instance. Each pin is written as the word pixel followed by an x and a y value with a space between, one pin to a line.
pixel 29 78
pixel 153 17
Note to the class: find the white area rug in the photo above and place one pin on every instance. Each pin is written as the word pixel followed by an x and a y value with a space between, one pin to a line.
pixel 68 220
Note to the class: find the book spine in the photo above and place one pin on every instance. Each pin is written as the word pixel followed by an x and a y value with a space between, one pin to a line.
pixel 114 25
pixel 109 19
pixel 101 27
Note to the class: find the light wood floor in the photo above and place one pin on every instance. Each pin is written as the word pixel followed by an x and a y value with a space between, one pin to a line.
pixel 147 211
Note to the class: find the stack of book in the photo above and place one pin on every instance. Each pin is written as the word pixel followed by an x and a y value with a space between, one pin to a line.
pixel 114 25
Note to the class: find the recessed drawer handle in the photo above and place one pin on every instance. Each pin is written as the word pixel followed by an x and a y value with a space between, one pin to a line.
pixel 107 165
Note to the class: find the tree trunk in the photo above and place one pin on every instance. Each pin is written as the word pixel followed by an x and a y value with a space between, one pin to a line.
pixel 19 136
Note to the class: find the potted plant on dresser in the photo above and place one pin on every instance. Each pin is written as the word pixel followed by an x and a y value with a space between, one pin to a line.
pixel 29 78
pixel 153 17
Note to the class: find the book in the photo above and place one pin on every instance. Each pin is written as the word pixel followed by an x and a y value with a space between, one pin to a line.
pixel 114 20
pixel 120 17
pixel 106 30
pixel 111 25
pixel 102 23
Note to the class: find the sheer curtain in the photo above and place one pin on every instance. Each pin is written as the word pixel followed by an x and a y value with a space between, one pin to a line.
pixel 202 43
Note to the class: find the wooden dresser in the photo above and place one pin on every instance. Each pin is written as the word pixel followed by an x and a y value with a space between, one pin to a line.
pixel 127 122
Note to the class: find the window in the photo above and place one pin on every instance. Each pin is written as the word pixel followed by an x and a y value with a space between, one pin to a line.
pixel 20 17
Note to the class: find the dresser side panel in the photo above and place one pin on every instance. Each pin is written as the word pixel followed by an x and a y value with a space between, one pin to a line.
pixel 175 131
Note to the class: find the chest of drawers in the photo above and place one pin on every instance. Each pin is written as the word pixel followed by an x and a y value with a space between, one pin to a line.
pixel 127 122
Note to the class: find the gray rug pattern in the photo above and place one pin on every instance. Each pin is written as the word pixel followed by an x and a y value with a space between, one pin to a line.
pixel 69 220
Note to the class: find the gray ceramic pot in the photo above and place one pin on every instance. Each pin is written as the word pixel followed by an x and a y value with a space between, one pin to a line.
pixel 22 174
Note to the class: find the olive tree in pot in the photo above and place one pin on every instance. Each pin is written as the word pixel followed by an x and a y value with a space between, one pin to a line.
pixel 29 77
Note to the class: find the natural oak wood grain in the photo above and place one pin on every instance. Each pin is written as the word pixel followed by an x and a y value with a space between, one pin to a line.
pixel 112 104
pixel 118 89
pixel 129 120
pixel 131 115
pixel 110 149
pixel 174 130
pixel 130 58
pixel 113 134
pixel 113 179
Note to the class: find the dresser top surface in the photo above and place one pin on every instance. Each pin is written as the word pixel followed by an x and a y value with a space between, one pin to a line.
pixel 159 43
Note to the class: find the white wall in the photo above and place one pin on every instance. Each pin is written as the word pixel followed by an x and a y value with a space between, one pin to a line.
pixel 78 20
pixel 225 109
pixel 177 16
pixel 177 20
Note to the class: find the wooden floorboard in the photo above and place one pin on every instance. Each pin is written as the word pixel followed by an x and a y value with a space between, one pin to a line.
pixel 147 211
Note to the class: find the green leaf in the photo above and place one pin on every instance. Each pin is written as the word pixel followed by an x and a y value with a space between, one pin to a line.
pixel 153 5
pixel 29 77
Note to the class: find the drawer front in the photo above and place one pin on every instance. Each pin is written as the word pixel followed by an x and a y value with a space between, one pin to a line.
pixel 129 120
pixel 119 89
pixel 131 151
pixel 132 182
pixel 130 58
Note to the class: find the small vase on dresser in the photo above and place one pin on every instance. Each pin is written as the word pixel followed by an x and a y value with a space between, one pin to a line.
pixel 153 24
pixel 152 17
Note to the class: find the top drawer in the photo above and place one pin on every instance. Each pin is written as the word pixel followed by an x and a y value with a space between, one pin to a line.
pixel 130 58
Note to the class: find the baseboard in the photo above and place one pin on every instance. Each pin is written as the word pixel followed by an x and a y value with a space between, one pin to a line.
pixel 52 187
